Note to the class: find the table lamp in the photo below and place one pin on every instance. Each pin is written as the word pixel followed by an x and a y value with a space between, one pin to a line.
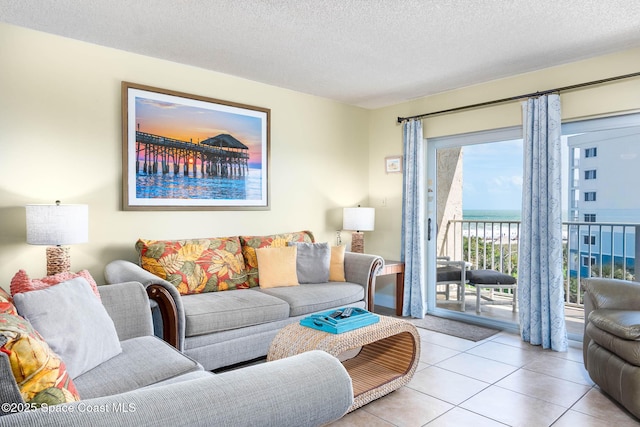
pixel 57 225
pixel 358 220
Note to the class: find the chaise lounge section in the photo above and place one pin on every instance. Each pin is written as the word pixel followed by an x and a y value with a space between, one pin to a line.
pixel 150 383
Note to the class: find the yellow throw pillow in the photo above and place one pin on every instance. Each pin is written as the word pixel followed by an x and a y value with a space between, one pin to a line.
pixel 336 266
pixel 251 243
pixel 277 266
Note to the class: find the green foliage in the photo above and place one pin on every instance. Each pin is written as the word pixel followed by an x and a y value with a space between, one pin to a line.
pixel 489 255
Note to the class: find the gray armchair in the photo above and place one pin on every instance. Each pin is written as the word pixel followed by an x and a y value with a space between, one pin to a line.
pixel 612 338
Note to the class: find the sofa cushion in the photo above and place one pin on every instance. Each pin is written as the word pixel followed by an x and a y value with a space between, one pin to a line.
pixel 621 323
pixel 22 283
pixel 336 265
pixel 310 298
pixel 312 262
pixel 39 373
pixel 74 323
pixel 144 361
pixel 193 375
pixel 197 265
pixel 489 277
pixel 222 311
pixel 251 243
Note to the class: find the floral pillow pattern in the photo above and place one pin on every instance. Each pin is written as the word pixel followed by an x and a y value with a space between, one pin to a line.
pixel 4 296
pixel 6 303
pixel 40 374
pixel 251 243
pixel 197 265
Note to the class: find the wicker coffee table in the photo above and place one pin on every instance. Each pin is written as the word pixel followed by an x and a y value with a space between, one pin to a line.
pixel 387 360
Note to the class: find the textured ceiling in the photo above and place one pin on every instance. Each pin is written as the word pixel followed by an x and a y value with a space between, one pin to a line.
pixel 369 53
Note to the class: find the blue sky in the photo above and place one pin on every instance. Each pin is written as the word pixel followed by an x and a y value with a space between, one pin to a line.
pixel 492 176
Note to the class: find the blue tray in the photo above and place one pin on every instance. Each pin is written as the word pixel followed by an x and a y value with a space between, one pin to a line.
pixel 322 322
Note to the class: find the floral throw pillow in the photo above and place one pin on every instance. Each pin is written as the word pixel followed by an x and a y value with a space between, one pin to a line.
pixel 197 265
pixel 6 303
pixel 4 296
pixel 40 374
pixel 251 243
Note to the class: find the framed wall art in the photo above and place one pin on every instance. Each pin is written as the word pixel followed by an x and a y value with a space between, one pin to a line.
pixel 393 164
pixel 189 152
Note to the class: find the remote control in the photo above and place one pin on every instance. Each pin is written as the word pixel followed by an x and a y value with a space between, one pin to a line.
pixel 335 314
pixel 347 312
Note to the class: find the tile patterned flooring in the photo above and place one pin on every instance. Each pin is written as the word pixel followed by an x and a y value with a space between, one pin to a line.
pixel 496 382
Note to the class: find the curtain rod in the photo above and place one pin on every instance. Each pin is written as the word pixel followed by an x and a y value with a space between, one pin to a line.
pixel 515 98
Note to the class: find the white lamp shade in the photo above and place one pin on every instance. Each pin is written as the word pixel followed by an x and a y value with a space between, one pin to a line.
pixel 57 224
pixel 358 219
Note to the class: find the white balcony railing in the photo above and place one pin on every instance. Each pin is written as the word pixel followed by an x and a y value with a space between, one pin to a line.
pixel 590 249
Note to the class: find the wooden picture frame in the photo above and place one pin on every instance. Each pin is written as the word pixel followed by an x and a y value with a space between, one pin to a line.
pixel 393 164
pixel 189 152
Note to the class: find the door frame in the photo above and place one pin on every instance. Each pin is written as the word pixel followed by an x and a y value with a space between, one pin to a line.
pixel 431 184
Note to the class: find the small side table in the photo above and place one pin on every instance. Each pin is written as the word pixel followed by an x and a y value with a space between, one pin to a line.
pixel 397 268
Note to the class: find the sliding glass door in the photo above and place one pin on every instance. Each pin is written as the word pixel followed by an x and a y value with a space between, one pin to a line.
pixel 474 201
pixel 474 187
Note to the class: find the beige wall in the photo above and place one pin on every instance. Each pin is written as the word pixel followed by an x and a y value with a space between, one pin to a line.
pixel 386 134
pixel 60 134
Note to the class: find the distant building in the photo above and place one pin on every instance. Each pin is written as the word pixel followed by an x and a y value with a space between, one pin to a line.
pixel 604 169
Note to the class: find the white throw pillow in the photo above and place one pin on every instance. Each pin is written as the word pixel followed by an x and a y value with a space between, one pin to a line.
pixel 73 322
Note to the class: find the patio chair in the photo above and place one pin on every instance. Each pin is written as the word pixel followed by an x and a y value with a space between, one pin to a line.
pixel 493 280
pixel 452 273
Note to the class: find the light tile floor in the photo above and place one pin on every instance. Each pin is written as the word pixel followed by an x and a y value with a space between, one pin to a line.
pixel 496 382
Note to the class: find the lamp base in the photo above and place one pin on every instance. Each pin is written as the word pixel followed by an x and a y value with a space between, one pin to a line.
pixel 357 242
pixel 58 260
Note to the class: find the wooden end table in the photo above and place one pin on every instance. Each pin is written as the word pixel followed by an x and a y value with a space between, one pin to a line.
pixel 388 356
pixel 397 268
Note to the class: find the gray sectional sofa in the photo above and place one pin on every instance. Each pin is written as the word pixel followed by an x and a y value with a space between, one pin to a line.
pixel 150 383
pixel 220 329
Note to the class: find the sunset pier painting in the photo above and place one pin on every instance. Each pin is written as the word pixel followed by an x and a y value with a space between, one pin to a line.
pixel 189 152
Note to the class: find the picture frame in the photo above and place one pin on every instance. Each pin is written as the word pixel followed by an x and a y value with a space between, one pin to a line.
pixel 393 164
pixel 189 152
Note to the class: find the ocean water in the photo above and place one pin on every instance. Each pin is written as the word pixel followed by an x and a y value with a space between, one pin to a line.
pixel 490 215
pixel 499 215
pixel 171 186
pixel 502 231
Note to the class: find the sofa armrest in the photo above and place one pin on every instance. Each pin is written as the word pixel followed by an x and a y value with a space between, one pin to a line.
pixel 309 389
pixel 162 292
pixel 603 293
pixel 128 306
pixel 362 269
pixel 9 391
pixel 611 293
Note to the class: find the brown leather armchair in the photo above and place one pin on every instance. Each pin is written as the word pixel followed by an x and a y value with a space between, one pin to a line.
pixel 612 338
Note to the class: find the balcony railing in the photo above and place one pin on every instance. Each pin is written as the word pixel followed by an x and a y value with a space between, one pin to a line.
pixel 589 249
